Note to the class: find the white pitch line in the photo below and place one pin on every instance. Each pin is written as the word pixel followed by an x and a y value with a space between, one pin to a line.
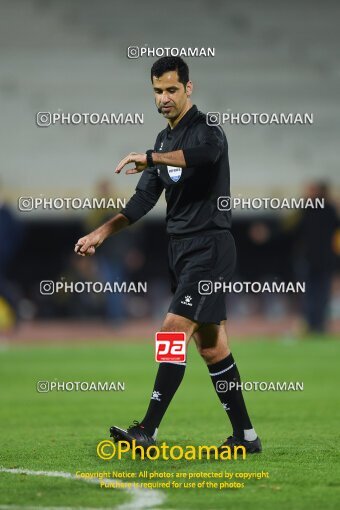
pixel 17 507
pixel 141 498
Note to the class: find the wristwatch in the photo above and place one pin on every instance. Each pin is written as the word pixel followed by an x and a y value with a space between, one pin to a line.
pixel 149 160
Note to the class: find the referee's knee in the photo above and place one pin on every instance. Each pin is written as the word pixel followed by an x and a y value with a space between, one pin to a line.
pixel 209 354
pixel 178 323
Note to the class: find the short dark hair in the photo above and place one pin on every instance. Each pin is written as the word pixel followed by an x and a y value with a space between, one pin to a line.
pixel 165 64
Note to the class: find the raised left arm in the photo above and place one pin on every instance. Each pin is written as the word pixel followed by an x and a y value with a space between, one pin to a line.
pixel 175 158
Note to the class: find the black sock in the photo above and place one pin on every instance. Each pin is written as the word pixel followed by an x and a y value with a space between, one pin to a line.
pixel 222 374
pixel 168 379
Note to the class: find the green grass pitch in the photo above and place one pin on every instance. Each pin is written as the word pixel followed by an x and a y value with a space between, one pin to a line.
pixel 59 431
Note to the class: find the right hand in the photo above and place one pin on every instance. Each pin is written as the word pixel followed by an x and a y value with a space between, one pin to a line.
pixel 86 246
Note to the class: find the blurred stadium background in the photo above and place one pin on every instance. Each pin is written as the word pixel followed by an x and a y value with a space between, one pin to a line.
pixel 71 56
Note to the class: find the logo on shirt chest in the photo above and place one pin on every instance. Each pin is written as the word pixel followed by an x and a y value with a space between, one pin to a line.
pixel 174 173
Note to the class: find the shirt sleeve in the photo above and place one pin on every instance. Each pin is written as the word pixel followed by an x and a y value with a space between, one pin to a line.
pixel 211 144
pixel 148 191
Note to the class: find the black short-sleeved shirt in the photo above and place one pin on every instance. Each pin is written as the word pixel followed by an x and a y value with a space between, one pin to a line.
pixel 191 193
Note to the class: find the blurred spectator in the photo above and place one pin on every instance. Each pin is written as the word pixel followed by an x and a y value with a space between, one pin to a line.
pixel 10 238
pixel 84 305
pixel 316 233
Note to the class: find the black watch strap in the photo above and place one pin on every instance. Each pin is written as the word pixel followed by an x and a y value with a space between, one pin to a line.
pixel 149 159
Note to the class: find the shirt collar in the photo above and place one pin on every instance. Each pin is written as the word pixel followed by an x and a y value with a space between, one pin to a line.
pixel 184 120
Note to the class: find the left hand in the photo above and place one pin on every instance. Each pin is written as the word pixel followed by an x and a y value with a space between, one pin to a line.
pixel 138 159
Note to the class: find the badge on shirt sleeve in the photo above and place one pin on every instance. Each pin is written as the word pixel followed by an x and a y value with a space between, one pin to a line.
pixel 174 173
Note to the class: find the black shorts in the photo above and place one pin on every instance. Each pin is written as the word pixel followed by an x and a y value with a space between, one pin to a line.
pixel 209 257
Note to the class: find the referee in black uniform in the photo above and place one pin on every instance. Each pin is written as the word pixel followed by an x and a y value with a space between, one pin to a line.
pixel 189 161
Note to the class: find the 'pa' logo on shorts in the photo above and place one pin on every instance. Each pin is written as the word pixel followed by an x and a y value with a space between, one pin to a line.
pixel 170 346
pixel 174 173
